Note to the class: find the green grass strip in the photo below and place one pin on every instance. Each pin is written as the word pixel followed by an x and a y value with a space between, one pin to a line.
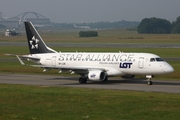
pixel 59 103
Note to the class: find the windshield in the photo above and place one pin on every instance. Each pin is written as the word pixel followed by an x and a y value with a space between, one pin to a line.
pixel 159 59
pixel 156 59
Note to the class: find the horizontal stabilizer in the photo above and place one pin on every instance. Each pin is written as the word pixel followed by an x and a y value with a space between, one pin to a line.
pixel 22 63
pixel 30 57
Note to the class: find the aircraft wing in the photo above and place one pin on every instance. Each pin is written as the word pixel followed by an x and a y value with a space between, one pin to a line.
pixel 78 70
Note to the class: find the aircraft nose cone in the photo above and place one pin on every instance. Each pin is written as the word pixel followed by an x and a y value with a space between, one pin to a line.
pixel 169 69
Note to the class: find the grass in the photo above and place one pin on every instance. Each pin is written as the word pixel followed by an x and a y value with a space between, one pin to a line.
pixel 42 103
pixel 105 36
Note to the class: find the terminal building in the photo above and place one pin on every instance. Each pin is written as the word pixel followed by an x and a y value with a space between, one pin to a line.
pixel 17 21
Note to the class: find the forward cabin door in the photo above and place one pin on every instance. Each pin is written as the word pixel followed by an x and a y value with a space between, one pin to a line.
pixel 54 60
pixel 141 62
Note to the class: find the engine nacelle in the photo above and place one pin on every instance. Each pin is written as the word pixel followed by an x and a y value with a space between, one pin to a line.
pixel 96 75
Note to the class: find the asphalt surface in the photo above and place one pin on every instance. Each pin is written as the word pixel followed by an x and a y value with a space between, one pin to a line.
pixel 112 83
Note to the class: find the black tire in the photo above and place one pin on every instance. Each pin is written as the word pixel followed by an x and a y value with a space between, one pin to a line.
pixel 150 82
pixel 106 79
pixel 82 80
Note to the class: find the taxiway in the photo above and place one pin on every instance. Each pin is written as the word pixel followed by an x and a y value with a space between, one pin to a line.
pixel 113 83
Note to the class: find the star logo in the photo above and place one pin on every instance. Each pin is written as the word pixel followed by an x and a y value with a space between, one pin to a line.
pixel 34 43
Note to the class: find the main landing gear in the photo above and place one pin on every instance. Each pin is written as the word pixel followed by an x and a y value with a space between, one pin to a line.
pixel 82 80
pixel 149 79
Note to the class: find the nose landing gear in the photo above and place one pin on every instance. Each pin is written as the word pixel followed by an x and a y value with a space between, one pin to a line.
pixel 149 79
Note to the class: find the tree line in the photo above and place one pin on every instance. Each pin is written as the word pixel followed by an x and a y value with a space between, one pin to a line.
pixel 100 25
pixel 158 26
pixel 88 34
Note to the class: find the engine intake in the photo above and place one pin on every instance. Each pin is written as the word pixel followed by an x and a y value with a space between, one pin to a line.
pixel 96 75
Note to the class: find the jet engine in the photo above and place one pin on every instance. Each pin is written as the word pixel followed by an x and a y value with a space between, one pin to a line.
pixel 96 75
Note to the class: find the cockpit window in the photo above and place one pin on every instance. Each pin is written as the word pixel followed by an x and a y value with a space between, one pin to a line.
pixel 152 60
pixel 156 59
pixel 159 59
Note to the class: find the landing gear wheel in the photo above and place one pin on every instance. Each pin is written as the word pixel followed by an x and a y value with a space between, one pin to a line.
pixel 150 82
pixel 82 80
pixel 106 79
pixel 149 79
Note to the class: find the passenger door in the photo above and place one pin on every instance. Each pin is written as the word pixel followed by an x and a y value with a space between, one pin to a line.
pixel 54 60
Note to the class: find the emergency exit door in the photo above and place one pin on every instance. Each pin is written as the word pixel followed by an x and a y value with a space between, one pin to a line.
pixel 141 62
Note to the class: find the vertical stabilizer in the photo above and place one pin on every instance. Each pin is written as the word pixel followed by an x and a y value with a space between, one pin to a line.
pixel 35 42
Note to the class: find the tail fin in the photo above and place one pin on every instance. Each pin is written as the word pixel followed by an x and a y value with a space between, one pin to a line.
pixel 35 42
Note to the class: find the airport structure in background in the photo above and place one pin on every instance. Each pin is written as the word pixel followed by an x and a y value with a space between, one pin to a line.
pixel 17 21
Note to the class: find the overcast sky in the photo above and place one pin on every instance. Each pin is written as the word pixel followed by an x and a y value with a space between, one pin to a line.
pixel 93 10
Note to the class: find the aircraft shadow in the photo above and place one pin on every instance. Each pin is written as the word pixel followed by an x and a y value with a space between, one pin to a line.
pixel 143 81
pixel 119 81
pixel 65 78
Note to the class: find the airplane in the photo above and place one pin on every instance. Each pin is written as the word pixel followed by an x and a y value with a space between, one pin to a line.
pixel 92 66
pixel 83 27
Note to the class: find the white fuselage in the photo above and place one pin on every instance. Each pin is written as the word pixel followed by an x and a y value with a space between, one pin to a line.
pixel 112 63
pixel 92 66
